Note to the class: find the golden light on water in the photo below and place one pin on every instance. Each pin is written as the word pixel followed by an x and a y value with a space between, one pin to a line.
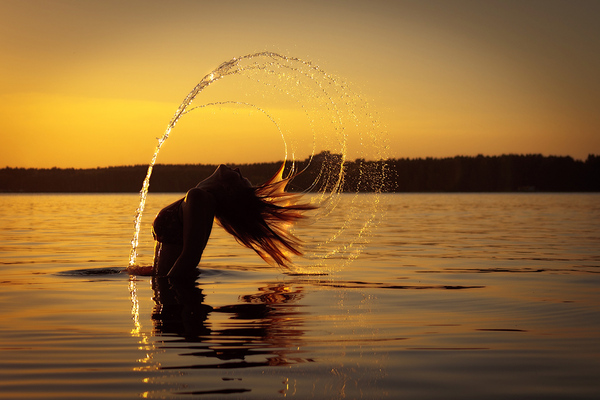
pixel 144 342
pixel 135 307
pixel 454 289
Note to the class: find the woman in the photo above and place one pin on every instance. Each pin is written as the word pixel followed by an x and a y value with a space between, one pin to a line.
pixel 256 216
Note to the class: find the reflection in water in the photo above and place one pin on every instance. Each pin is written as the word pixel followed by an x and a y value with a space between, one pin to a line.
pixel 263 330
pixel 143 340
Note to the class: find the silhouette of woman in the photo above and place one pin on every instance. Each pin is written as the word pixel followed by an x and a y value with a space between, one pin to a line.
pixel 257 216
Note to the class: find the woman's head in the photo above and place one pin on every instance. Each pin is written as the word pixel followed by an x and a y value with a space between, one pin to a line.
pixel 259 217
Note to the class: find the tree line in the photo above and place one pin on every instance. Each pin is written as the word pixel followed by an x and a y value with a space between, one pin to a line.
pixel 506 173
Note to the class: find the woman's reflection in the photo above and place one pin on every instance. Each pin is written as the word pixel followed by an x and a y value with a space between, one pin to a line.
pixel 264 329
pixel 179 308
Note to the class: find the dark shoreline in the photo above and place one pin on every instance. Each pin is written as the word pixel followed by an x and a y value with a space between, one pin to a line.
pixel 506 173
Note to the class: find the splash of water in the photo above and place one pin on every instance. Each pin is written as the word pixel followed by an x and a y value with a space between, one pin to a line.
pixel 337 124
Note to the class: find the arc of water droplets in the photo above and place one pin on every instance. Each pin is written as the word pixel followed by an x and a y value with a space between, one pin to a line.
pixel 227 68
pixel 306 70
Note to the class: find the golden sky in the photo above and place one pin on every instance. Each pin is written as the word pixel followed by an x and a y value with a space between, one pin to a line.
pixel 94 83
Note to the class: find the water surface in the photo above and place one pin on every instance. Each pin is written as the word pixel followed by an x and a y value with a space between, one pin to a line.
pixel 456 296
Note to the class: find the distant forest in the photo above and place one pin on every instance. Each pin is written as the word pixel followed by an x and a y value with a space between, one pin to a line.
pixel 506 173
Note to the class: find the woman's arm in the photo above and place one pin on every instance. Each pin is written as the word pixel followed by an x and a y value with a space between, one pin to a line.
pixel 198 210
pixel 165 255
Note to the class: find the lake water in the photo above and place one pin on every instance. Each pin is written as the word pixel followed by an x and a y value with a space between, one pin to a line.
pixel 469 296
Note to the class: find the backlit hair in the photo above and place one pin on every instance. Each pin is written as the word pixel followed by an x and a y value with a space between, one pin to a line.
pixel 259 217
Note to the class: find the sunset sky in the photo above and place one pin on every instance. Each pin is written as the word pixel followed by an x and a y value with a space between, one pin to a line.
pixel 94 83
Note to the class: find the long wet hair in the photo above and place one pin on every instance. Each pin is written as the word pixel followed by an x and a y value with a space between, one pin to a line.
pixel 259 217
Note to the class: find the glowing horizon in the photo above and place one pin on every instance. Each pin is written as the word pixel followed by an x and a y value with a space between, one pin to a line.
pixel 455 79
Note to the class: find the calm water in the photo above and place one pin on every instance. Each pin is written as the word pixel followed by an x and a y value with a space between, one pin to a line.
pixel 458 296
